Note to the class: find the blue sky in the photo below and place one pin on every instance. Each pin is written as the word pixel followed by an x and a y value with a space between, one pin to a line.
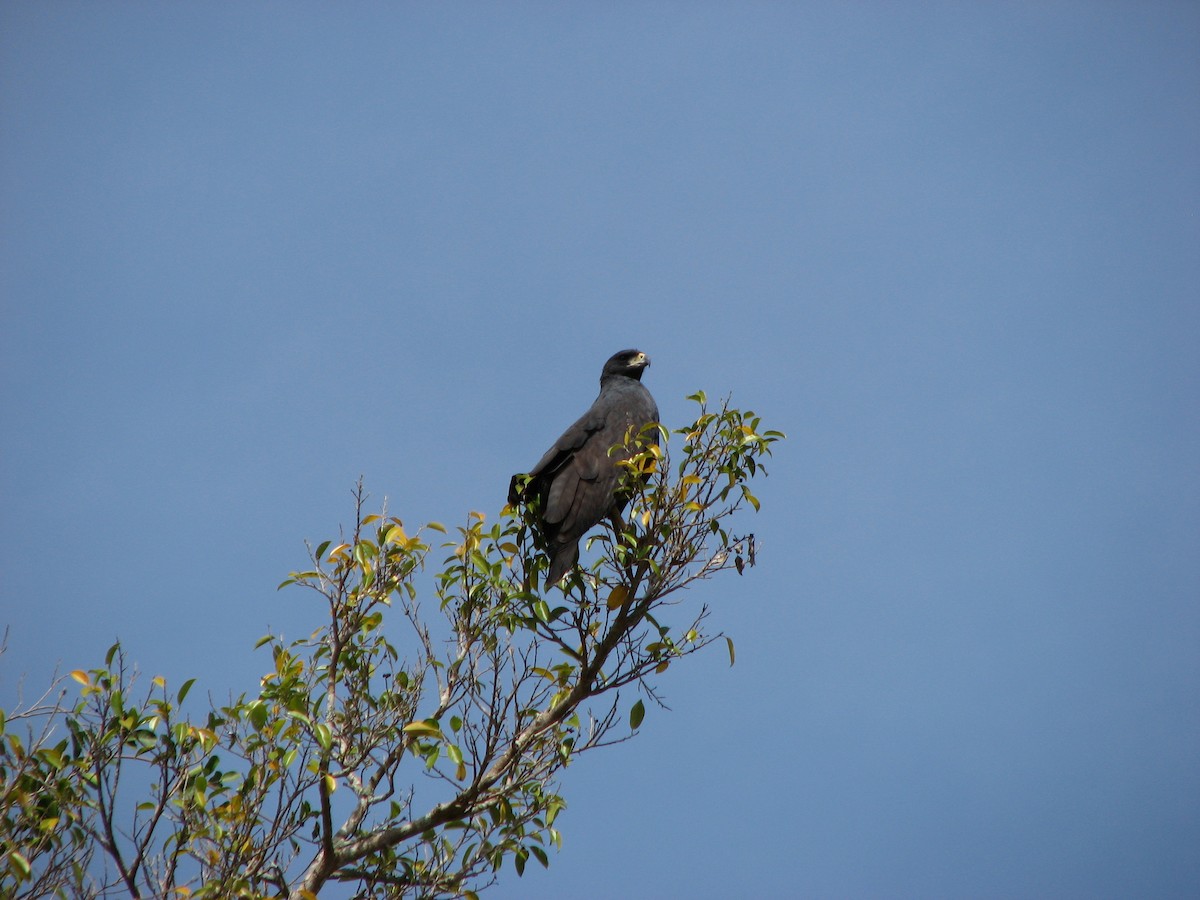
pixel 252 251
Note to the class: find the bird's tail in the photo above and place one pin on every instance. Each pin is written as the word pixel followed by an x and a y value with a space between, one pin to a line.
pixel 562 560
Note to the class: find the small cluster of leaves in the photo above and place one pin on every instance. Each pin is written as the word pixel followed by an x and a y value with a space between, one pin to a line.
pixel 44 835
pixel 303 783
pixel 62 806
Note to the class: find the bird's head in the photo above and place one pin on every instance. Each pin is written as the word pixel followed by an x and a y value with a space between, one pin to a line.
pixel 630 363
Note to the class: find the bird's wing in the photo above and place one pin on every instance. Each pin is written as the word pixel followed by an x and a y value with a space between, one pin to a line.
pixel 571 440
pixel 577 474
pixel 572 466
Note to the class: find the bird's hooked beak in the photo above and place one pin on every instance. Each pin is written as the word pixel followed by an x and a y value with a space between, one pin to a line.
pixel 643 360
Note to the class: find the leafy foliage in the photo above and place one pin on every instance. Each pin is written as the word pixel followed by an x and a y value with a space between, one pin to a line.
pixel 304 783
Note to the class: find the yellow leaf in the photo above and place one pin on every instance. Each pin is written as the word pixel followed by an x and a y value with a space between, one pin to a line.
pixel 617 598
pixel 422 728
pixel 158 681
pixel 81 676
pixel 330 784
pixel 396 535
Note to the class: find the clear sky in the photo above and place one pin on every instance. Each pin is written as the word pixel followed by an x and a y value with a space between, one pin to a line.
pixel 249 252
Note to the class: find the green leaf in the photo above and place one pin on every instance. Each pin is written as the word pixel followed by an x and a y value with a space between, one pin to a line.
pixel 423 729
pixel 637 714
pixel 183 690
pixel 20 864
pixel 256 712
pixel 323 735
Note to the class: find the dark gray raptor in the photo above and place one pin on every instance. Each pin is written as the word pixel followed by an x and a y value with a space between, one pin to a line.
pixel 576 482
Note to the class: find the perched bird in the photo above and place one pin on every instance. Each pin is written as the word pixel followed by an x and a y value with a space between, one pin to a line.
pixel 576 482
